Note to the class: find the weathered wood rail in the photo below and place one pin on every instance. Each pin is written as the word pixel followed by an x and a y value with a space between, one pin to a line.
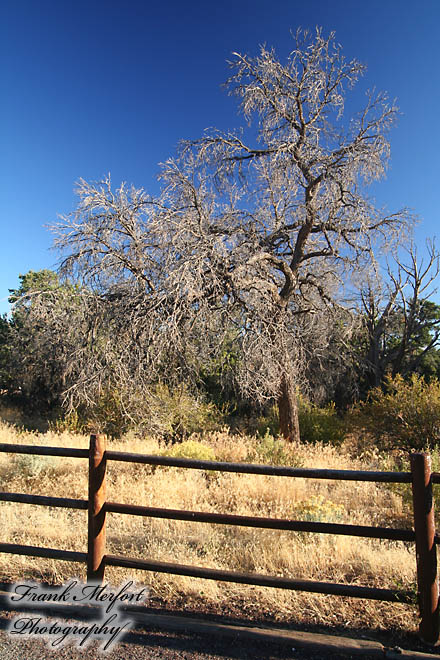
pixel 97 505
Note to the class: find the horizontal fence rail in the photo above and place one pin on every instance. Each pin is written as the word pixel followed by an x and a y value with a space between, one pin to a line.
pixel 98 507
pixel 43 500
pixel 263 523
pixel 48 553
pixel 271 470
pixel 44 451
pixel 332 588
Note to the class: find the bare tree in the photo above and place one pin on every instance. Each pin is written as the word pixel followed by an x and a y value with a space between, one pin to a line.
pixel 254 231
pixel 400 324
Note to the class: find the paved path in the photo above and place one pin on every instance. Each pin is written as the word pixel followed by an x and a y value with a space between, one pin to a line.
pixel 151 646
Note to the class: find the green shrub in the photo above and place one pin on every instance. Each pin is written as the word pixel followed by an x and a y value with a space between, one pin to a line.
pixel 319 509
pixel 191 449
pixel 272 451
pixel 110 414
pixel 30 466
pixel 316 425
pixel 178 413
pixel 72 422
pixel 320 425
pixel 404 415
pixel 269 422
pixel 197 451
pixel 161 411
pixel 107 415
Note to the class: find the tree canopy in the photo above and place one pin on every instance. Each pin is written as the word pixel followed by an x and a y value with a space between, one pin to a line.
pixel 237 271
pixel 252 236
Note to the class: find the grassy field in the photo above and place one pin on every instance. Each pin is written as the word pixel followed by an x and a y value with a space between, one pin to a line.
pixel 298 555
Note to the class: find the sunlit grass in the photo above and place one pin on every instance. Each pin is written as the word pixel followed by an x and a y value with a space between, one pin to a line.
pixel 297 555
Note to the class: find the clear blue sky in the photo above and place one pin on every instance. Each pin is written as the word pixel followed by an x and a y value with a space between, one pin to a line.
pixel 91 87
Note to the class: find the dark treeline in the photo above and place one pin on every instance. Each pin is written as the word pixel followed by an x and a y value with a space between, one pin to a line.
pixel 386 334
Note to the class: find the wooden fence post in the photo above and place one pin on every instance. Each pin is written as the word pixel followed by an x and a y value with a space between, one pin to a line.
pixel 426 552
pixel 96 509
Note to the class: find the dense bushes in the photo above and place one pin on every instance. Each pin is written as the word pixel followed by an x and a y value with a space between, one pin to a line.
pixel 171 414
pixel 403 415
pixel 316 424
pixel 320 425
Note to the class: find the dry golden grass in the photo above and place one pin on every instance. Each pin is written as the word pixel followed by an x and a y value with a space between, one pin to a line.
pixel 310 556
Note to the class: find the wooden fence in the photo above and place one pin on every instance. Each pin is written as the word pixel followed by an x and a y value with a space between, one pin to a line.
pixel 96 558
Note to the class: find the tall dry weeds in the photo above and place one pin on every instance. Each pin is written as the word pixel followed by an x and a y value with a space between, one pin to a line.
pixel 297 555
